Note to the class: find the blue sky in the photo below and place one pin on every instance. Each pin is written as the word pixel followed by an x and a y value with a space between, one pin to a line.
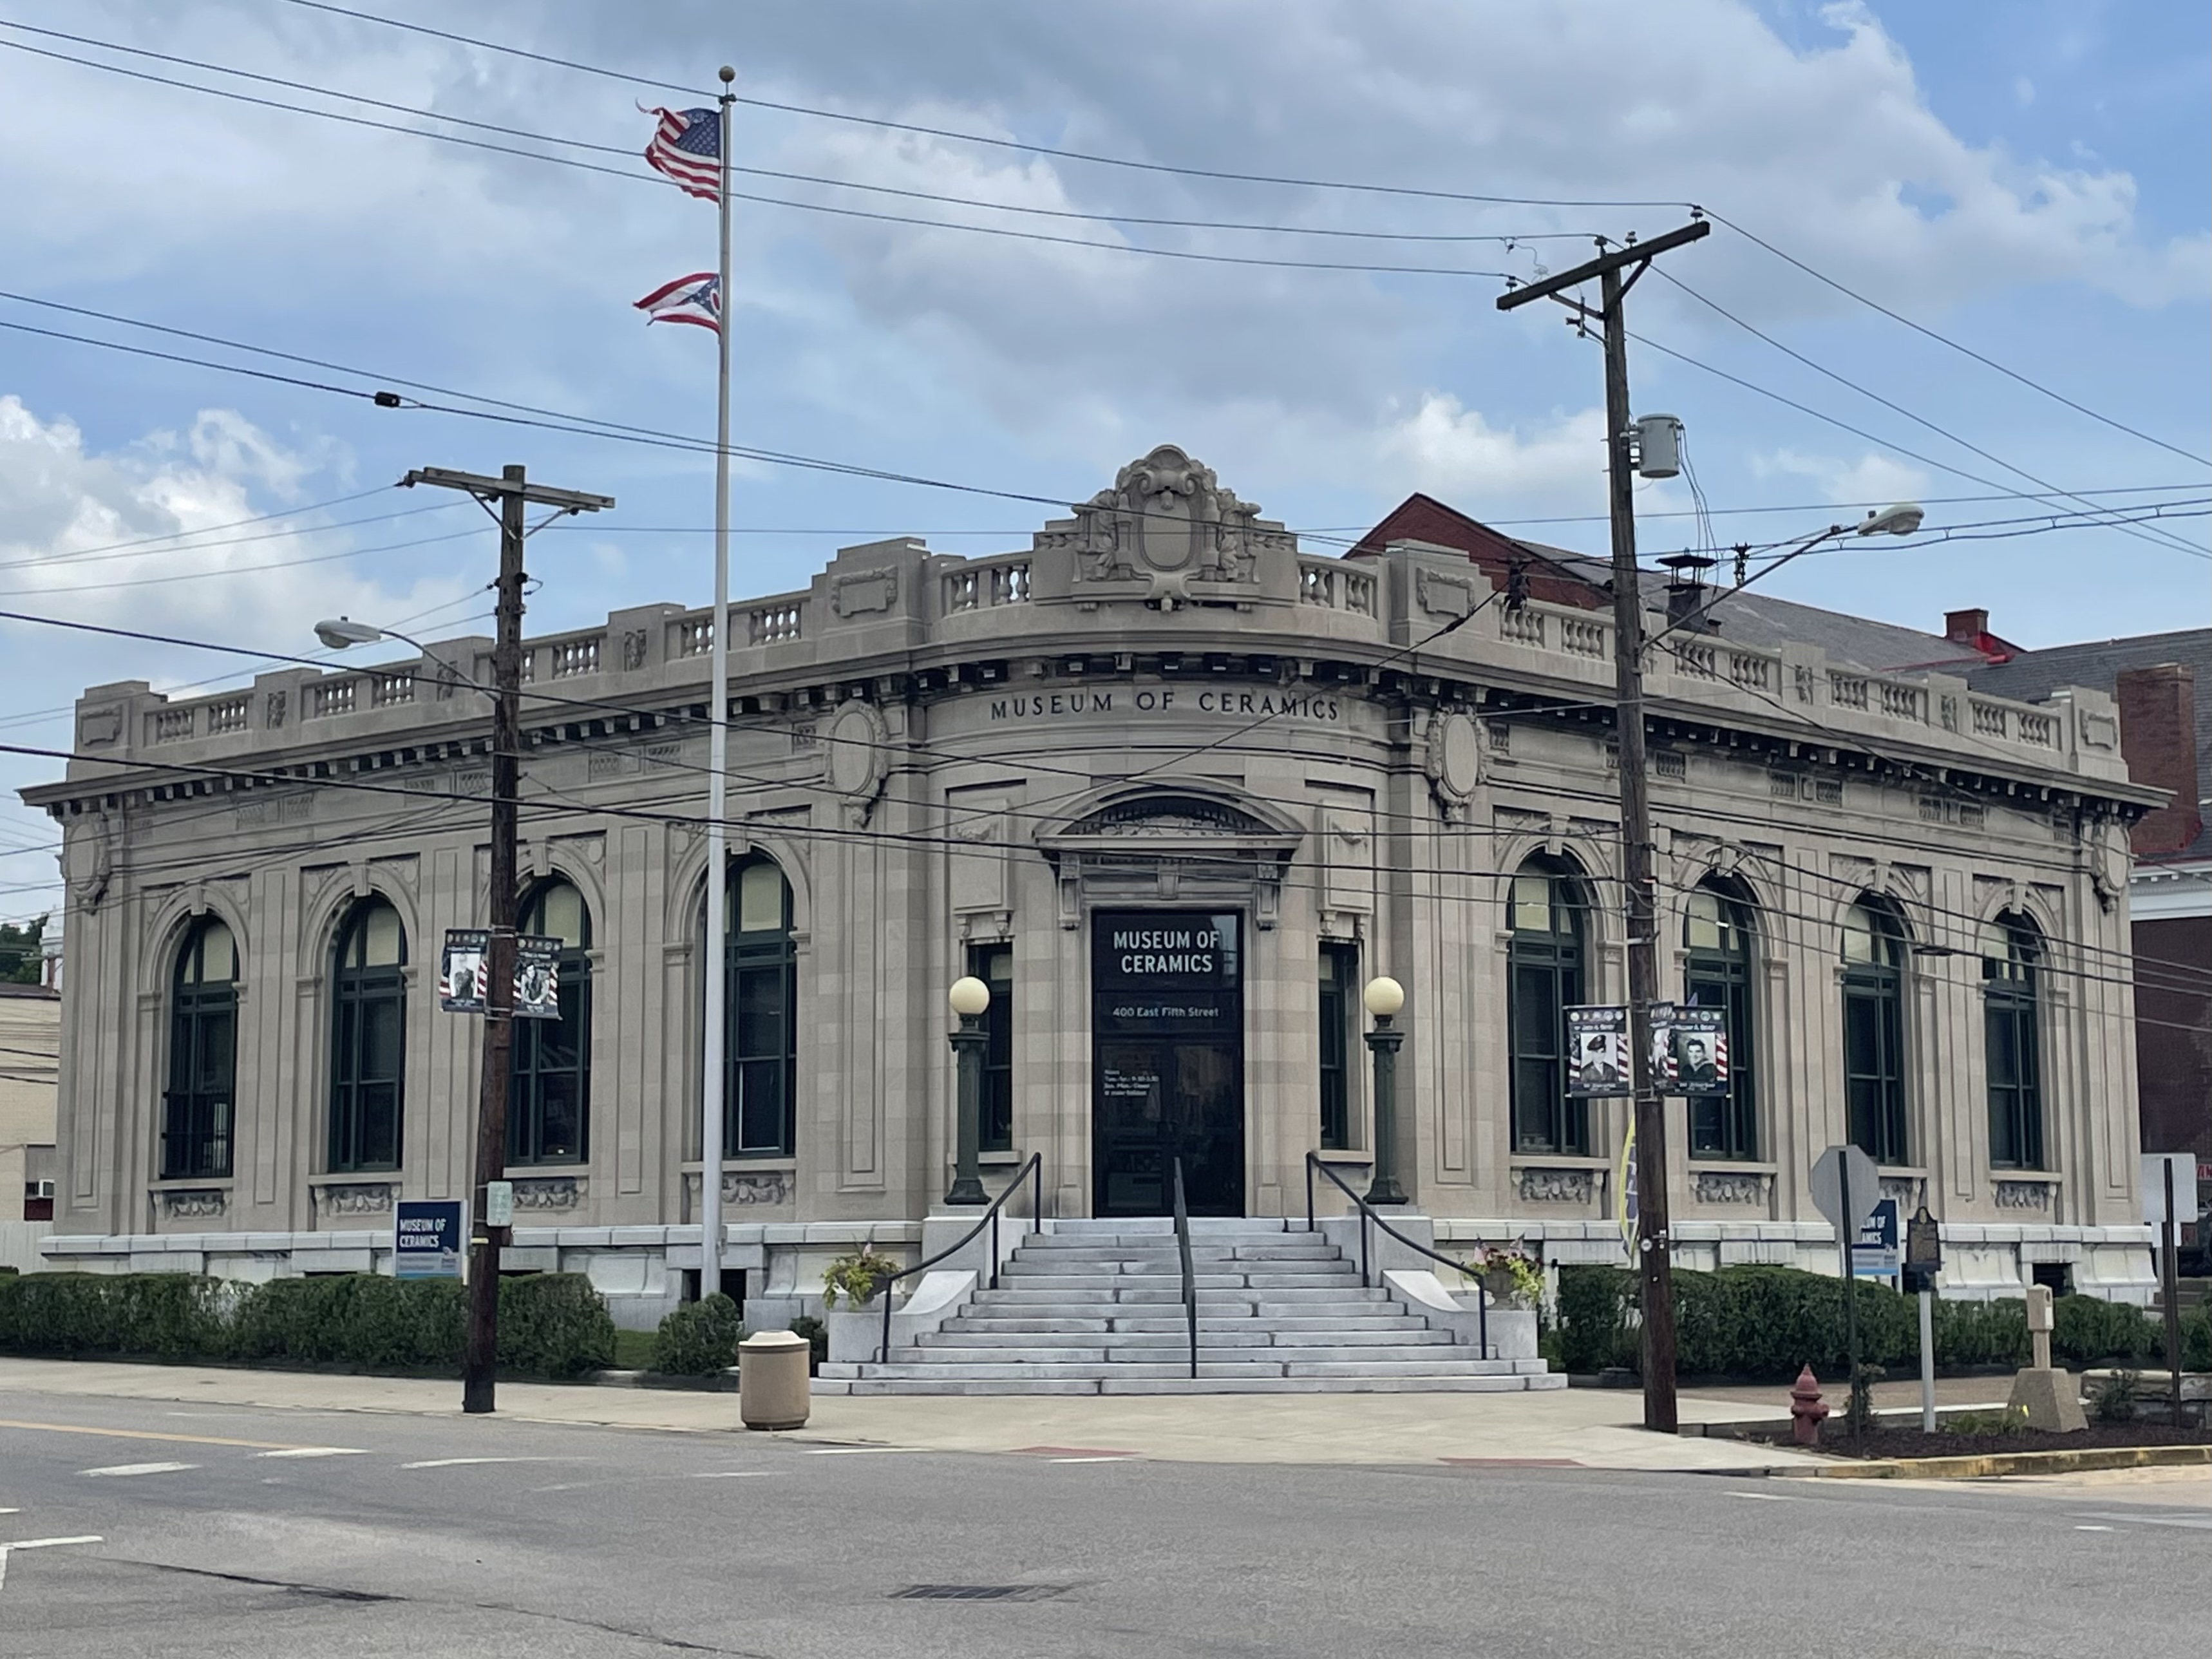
pixel 2030 179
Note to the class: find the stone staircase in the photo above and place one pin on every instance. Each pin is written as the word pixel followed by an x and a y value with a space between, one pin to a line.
pixel 1089 1307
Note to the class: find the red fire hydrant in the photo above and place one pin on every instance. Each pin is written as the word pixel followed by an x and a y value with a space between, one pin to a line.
pixel 1806 1410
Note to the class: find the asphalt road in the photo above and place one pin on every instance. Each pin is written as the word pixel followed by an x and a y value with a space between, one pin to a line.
pixel 244 1532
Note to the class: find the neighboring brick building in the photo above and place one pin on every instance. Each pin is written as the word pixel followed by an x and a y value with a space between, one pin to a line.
pixel 30 1083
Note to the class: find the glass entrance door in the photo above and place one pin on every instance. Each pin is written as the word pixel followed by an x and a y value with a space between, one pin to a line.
pixel 1168 1062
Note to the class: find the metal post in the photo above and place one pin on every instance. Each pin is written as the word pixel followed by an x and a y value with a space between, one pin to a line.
pixel 2171 1284
pixel 1927 1361
pixel 1844 1233
pixel 968 1044
pixel 1384 1044
pixel 711 1061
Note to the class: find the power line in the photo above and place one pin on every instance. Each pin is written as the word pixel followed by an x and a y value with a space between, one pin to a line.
pixel 233 569
pixel 1887 403
pixel 992 141
pixel 1963 350
pixel 1190 254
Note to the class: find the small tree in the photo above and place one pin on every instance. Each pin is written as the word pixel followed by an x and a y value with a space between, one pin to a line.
pixel 20 957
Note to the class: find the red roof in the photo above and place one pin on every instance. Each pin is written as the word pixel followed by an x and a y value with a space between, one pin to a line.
pixel 1424 518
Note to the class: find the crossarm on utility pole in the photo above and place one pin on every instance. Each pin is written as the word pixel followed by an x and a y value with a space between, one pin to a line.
pixel 1632 254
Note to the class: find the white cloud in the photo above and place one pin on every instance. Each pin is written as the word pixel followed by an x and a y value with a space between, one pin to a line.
pixel 1452 452
pixel 1871 477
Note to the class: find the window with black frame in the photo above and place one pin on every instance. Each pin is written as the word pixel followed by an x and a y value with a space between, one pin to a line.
pixel 1544 974
pixel 198 1109
pixel 760 1067
pixel 995 965
pixel 1340 996
pixel 2011 1028
pixel 1873 1031
pixel 1716 932
pixel 368 1038
pixel 549 1102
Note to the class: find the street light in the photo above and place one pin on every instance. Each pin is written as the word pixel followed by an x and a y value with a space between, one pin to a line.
pixel 342 632
pixel 1898 518
pixel 970 997
pixel 1385 997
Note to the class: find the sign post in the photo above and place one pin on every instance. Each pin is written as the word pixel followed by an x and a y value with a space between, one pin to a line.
pixel 1845 1188
pixel 2160 1183
pixel 1923 1260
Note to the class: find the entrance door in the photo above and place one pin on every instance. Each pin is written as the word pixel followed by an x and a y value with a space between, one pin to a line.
pixel 1168 1020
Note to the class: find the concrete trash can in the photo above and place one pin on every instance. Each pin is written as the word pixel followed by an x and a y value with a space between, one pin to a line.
pixel 772 1388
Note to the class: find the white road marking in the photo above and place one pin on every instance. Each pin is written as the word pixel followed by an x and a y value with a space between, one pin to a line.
pixel 10 1511
pixel 139 1468
pixel 2092 1528
pixel 728 1474
pixel 1766 1496
pixel 455 1463
pixel 49 1543
pixel 316 1451
pixel 2198 1521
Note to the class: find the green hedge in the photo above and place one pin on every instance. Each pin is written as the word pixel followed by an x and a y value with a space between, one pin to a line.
pixel 1763 1323
pixel 699 1339
pixel 550 1324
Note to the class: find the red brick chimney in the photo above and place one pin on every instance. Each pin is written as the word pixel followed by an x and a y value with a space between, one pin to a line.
pixel 2158 736
pixel 1971 628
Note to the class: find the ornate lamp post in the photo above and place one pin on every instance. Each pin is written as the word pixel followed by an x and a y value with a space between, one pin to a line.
pixel 1385 997
pixel 969 998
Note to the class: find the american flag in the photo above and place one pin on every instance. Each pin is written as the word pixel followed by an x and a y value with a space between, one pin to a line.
pixel 687 146
pixel 694 299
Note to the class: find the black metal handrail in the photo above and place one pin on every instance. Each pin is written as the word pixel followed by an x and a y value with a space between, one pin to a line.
pixel 989 1218
pixel 1367 1215
pixel 1189 1273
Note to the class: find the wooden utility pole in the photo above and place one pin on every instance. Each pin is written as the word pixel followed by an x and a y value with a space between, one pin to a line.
pixel 508 495
pixel 1654 1240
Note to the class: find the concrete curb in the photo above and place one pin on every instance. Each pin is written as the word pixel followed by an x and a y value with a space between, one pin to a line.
pixel 1997 1463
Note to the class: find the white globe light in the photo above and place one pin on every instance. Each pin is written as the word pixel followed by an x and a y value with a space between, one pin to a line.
pixel 969 996
pixel 1385 997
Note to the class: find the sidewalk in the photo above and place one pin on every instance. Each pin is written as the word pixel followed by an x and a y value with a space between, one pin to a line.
pixel 1589 1428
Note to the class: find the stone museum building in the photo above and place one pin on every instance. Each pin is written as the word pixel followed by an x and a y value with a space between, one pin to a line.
pixel 1176 789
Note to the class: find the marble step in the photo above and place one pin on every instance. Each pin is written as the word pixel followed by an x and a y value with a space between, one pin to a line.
pixel 1231 1360
pixel 1257 1336
pixel 1121 1385
pixel 1054 1250
pixel 909 1363
pixel 1161 1226
pixel 1124 1275
pixel 1286 1297
pixel 1174 1325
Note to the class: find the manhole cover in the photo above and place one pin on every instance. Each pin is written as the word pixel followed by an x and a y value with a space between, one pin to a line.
pixel 977 1592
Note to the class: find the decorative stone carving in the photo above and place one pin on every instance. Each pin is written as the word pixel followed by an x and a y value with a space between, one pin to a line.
pixel 633 656
pixel 551 1191
pixel 1441 595
pixel 742 1188
pixel 1167 514
pixel 194 1203
pixel 863 591
pixel 357 1197
pixel 2023 1194
pixel 1729 1187
pixel 88 859
pixel 96 729
pixel 858 758
pixel 1905 1189
pixel 1171 815
pixel 1453 760
pixel 1538 1186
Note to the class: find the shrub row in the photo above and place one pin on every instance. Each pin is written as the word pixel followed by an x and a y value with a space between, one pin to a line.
pixel 699 1339
pixel 1763 1323
pixel 550 1324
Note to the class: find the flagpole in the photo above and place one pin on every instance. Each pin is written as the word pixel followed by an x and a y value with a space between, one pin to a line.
pixel 718 745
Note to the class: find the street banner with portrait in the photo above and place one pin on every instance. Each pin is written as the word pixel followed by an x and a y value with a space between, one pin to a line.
pixel 464 967
pixel 1696 1049
pixel 1597 1053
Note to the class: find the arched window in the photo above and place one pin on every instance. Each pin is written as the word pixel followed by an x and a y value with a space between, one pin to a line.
pixel 196 1111
pixel 1717 931
pixel 760 1054
pixel 549 1102
pixel 368 1038
pixel 1545 971
pixel 2011 950
pixel 1874 1031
